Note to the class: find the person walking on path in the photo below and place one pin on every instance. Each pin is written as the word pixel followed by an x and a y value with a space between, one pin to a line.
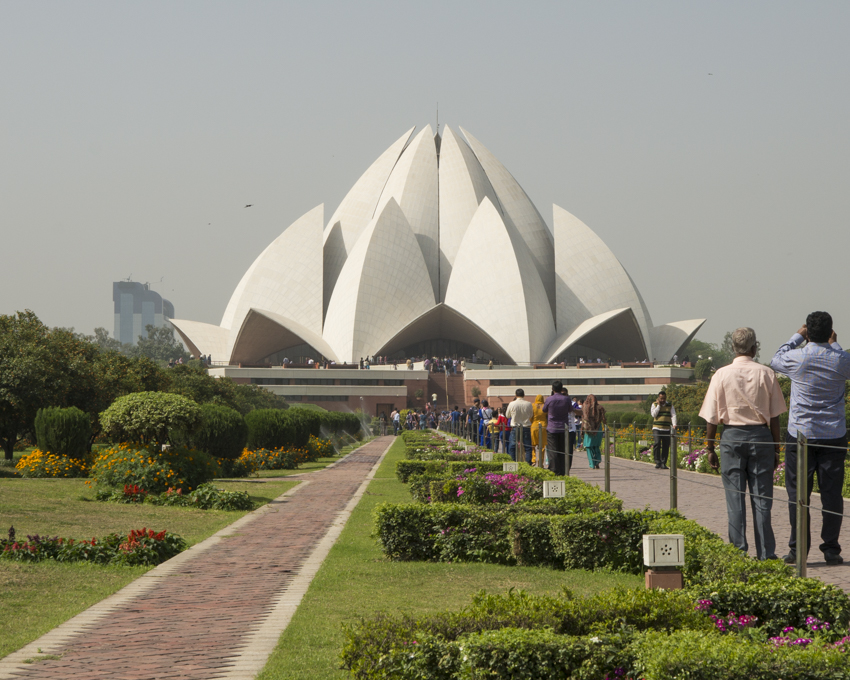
pixel 557 407
pixel 538 430
pixel 664 418
pixel 473 415
pixel 745 396
pixel 519 414
pixel 592 422
pixel 818 373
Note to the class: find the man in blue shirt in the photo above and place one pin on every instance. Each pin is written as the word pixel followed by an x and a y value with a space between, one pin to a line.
pixel 818 373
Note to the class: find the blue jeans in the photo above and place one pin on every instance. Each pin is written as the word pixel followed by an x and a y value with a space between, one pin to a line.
pixel 526 440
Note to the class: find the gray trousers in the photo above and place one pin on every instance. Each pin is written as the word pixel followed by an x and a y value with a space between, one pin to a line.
pixel 746 460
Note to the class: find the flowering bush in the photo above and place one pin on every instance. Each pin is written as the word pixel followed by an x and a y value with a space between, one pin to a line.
pixel 779 475
pixel 205 497
pixel 153 471
pixel 319 448
pixel 142 547
pixel 45 464
pixel 696 461
pixel 274 459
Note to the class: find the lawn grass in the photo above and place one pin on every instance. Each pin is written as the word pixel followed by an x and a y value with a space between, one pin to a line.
pixel 36 597
pixel 355 580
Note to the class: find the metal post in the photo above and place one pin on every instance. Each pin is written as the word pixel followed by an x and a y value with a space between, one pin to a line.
pixel 690 442
pixel 540 445
pixel 802 547
pixel 634 438
pixel 674 466
pixel 606 441
pixel 519 444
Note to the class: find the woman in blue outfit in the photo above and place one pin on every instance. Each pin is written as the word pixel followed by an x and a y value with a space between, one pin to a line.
pixel 592 422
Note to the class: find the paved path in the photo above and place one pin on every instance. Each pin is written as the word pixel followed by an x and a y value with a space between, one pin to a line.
pixel 701 498
pixel 217 610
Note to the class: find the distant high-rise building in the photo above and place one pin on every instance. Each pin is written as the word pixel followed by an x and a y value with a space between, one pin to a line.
pixel 136 308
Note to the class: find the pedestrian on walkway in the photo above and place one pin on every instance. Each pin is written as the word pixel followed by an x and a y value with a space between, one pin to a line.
pixel 592 422
pixel 519 413
pixel 745 396
pixel 818 373
pixel 557 407
pixel 664 418
pixel 473 416
pixel 538 430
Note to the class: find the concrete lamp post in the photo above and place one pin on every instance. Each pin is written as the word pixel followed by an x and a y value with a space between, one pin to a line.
pixel 664 554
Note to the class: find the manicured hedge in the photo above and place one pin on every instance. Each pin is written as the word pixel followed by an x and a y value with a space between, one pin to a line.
pixel 221 432
pixel 494 637
pixel 405 469
pixel 649 634
pixel 63 431
pixel 274 428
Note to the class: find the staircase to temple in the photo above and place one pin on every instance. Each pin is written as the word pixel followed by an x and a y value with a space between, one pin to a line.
pixel 437 383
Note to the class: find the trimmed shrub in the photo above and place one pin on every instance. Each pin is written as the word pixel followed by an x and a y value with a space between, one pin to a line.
pixel 304 423
pixel 336 422
pixel 600 540
pixel 269 429
pixel 405 469
pixel 63 431
pixel 507 626
pixel 778 602
pixel 149 418
pixel 221 432
pixel 699 656
pixel 154 472
pixel 205 497
pixel 531 542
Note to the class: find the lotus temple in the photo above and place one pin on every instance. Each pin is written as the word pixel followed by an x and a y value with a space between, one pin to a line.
pixel 436 250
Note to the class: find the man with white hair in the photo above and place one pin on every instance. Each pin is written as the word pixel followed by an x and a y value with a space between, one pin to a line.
pixel 745 396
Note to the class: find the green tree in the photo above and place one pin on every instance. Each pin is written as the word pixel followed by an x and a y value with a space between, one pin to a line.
pixel 150 418
pixel 160 345
pixel 33 374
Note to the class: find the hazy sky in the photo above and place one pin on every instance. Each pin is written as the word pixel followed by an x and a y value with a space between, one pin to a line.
pixel 706 143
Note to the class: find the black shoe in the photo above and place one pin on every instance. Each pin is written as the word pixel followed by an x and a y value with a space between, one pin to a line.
pixel 657 466
pixel 664 467
pixel 790 558
pixel 833 558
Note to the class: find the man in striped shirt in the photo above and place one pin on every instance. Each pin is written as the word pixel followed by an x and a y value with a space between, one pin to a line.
pixel 819 372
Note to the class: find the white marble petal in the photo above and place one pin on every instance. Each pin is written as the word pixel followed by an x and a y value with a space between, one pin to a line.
pixel 413 185
pixel 463 185
pixel 358 206
pixel 515 313
pixel 286 278
pixel 621 336
pixel 672 338
pixel 202 338
pixel 518 207
pixel 263 333
pixel 383 286
pixel 589 279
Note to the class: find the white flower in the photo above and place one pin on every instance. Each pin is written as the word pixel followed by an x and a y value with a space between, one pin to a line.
pixel 595 639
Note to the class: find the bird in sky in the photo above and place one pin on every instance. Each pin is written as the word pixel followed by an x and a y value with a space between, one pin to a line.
pixel 249 205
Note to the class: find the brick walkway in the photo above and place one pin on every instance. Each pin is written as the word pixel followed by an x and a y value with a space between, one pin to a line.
pixel 199 618
pixel 701 498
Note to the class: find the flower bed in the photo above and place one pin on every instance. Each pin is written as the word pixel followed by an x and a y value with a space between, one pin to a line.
pixel 39 464
pixel 205 497
pixel 138 547
pixel 154 471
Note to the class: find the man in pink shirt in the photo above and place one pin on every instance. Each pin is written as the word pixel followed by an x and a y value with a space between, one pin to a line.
pixel 745 397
